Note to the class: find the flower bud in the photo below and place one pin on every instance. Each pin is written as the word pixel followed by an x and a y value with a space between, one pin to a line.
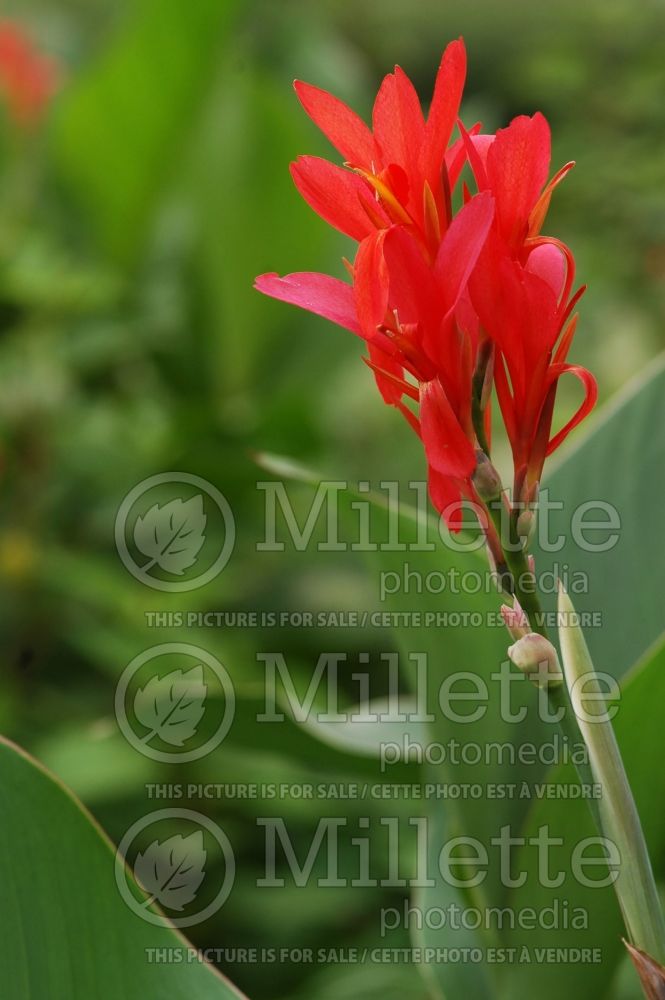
pixel 537 658
pixel 486 479
pixel 526 525
pixel 515 620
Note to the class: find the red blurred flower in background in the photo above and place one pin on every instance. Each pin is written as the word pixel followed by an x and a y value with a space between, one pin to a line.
pixel 28 78
pixel 444 302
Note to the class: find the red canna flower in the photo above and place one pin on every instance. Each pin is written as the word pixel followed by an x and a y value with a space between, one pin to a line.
pixel 436 298
pixel 399 173
pixel 423 342
pixel 408 300
pixel 27 78
pixel 521 290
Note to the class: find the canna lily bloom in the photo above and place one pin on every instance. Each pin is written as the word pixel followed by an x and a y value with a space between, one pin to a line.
pixel 423 343
pixel 447 305
pixel 521 291
pixel 28 79
pixel 408 297
pixel 421 335
pixel 399 173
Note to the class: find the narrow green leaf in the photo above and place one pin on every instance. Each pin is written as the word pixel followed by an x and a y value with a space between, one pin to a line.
pixel 635 885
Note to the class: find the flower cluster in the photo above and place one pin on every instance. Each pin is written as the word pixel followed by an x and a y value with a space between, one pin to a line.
pixel 450 304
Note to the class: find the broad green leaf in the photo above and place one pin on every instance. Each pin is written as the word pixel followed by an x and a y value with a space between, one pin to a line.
pixel 620 462
pixel 449 974
pixel 125 121
pixel 66 932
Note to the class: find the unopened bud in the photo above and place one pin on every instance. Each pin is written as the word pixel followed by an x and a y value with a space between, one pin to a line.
pixel 526 525
pixel 486 479
pixel 537 658
pixel 515 620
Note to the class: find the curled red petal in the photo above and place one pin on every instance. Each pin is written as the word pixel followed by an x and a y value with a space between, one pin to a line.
pixel 548 262
pixel 317 293
pixel 590 398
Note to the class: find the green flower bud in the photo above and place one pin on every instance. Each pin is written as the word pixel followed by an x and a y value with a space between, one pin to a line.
pixel 537 658
pixel 486 479
pixel 526 525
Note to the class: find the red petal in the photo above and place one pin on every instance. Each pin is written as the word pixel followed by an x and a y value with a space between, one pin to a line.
pixel 518 163
pixel 446 495
pixel 318 293
pixel 548 263
pixel 519 312
pixel 455 159
pixel 413 290
pixel 335 194
pixel 347 132
pixel 477 154
pixel 444 109
pixel 370 285
pixel 389 376
pixel 399 127
pixel 481 144
pixel 590 397
pixel 461 246
pixel 447 447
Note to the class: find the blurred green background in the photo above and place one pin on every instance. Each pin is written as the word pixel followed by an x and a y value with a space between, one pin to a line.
pixel 132 223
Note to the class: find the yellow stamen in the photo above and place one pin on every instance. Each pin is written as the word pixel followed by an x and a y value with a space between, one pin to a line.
pixel 431 217
pixel 385 194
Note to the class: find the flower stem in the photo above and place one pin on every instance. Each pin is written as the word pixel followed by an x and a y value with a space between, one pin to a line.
pixel 524 588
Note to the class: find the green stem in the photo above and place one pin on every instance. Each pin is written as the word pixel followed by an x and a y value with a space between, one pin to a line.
pixel 524 588
pixel 523 580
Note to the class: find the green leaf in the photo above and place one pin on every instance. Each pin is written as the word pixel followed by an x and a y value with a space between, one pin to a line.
pixel 639 731
pixel 367 735
pixel 125 121
pixel 619 821
pixel 620 462
pixel 66 933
